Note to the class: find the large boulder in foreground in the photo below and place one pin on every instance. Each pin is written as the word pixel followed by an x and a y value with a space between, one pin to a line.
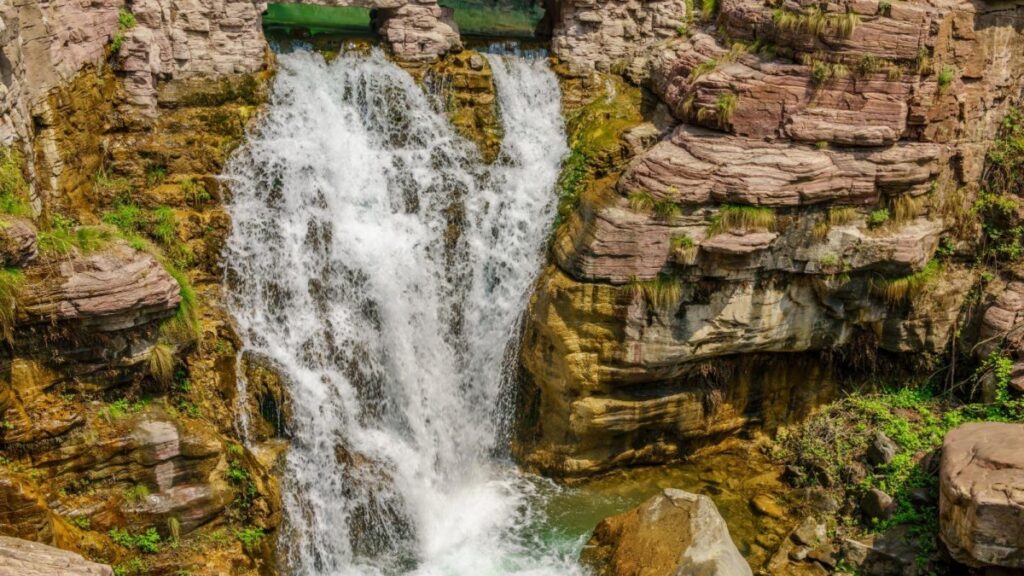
pixel 982 494
pixel 675 532
pixel 24 558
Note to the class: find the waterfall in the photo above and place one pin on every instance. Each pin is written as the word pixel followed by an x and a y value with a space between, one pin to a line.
pixel 382 265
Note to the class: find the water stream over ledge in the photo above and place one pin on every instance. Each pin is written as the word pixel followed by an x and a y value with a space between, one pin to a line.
pixel 383 266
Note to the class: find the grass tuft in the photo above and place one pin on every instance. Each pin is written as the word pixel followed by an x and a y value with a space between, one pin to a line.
pixel 11 281
pixel 641 201
pixel 663 292
pixel 161 362
pixel 900 290
pixel 735 217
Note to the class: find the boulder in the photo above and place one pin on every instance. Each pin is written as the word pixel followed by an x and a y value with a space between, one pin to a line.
pixel 113 289
pixel 881 450
pixel 675 532
pixel 981 500
pixel 876 504
pixel 24 558
pixel 17 241
pixel 892 553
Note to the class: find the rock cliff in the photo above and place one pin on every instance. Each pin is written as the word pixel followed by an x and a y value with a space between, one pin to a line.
pixel 777 226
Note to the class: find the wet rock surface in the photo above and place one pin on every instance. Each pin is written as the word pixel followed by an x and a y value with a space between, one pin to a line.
pixel 674 532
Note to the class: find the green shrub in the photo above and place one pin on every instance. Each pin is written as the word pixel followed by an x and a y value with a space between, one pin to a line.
pixel 666 209
pixel 946 76
pixel 250 538
pixel 884 7
pixel 125 19
pixel 878 217
pixel 148 541
pixel 736 217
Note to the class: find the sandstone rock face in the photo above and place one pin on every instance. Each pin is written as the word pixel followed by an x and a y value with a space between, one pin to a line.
pixel 111 290
pixel 784 216
pixel 675 532
pixel 982 494
pixel 24 558
pixel 596 34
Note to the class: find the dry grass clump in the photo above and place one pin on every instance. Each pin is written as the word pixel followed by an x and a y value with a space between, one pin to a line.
pixel 663 292
pixel 900 290
pixel 733 217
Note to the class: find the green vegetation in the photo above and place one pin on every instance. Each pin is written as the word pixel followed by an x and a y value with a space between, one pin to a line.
pixel 136 493
pixel 684 248
pixel 735 217
pixel 250 538
pixel 997 206
pixel 823 72
pixel 11 281
pixel 666 209
pixel 81 522
pixel 196 194
pixel 885 7
pixel 641 201
pixel 708 9
pixel 878 218
pixel 120 409
pixel 595 148
pixel 132 567
pixel 900 290
pixel 663 292
pixel 702 69
pixel 13 187
pixel 125 21
pixel 828 449
pixel 725 105
pixel 816 22
pixel 148 541
pixel 946 76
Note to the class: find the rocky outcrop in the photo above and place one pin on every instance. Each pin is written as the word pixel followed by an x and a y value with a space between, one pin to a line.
pixel 24 558
pixel 600 34
pixel 794 211
pixel 982 494
pixel 675 532
pixel 17 242
pixel 111 290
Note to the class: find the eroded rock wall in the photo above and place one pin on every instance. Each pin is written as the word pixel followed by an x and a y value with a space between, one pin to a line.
pixel 794 211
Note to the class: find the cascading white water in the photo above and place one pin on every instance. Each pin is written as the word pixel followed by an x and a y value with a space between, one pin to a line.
pixel 383 266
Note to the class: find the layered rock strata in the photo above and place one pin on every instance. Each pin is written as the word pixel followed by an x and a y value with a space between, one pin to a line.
pixel 790 217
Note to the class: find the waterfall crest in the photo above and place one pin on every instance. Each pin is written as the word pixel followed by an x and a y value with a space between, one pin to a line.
pixel 383 266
